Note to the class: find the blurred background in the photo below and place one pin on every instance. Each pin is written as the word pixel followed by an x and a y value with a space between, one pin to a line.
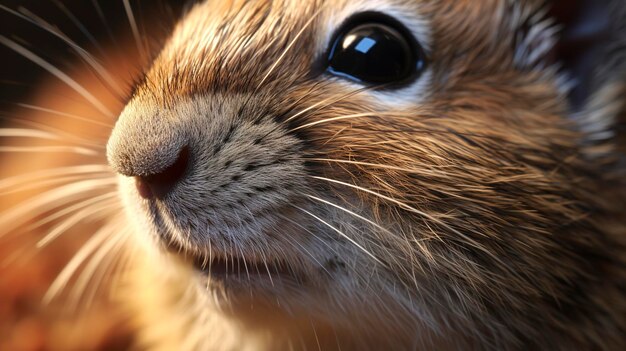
pixel 101 27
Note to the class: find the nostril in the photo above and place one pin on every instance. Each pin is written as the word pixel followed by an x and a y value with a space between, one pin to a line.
pixel 159 184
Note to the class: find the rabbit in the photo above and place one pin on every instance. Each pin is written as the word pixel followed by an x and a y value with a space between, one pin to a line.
pixel 373 174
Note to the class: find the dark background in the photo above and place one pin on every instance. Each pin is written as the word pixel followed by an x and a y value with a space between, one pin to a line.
pixel 92 24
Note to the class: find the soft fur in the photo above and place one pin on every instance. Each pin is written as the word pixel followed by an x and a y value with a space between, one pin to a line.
pixel 475 208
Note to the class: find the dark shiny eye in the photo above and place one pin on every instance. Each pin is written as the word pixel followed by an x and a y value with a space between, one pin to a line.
pixel 376 52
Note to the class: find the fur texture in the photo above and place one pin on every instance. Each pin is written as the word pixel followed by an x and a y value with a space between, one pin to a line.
pixel 475 208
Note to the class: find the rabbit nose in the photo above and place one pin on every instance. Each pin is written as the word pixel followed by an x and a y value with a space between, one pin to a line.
pixel 160 183
pixel 150 147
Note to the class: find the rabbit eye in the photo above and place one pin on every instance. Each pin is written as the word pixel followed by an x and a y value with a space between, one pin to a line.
pixel 376 50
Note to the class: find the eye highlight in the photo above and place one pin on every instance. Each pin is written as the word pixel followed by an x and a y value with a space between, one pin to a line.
pixel 375 49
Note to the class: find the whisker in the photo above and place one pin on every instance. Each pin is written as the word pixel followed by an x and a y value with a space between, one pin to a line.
pixel 431 170
pixel 341 234
pixel 376 225
pixel 104 21
pixel 39 134
pixel 64 114
pixel 390 199
pixel 296 244
pixel 210 255
pixel 49 200
pixel 317 340
pixel 331 119
pixel 351 213
pixel 310 233
pixel 88 274
pixel 49 149
pixel 134 28
pixel 423 214
pixel 79 25
pixel 291 43
pixel 386 128
pixel 114 269
pixel 325 103
pixel 55 131
pixel 245 265
pixel 57 73
pixel 53 172
pixel 267 268
pixel 95 242
pixel 45 183
pixel 71 209
pixel 384 197
pixel 85 55
pixel 27 133
pixel 96 208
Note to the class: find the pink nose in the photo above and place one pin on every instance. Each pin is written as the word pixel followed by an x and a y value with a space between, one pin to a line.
pixel 160 184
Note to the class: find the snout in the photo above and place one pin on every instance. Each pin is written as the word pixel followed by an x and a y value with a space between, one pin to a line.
pixel 150 148
pixel 159 184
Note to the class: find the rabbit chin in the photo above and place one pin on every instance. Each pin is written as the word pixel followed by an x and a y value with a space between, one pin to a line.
pixel 222 293
pixel 270 319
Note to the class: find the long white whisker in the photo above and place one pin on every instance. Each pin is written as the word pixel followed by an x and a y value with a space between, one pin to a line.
pixel 341 233
pixel 115 265
pixel 64 114
pixel 27 133
pixel 87 213
pixel 49 200
pixel 331 119
pixel 84 54
pixel 325 103
pixel 50 149
pixel 245 265
pixel 72 209
pixel 310 233
pixel 430 168
pixel 351 213
pixel 296 244
pixel 57 73
pixel 95 262
pixel 55 131
pixel 293 41
pixel 376 225
pixel 416 211
pixel 267 268
pixel 66 274
pixel 133 27
pixel 47 183
pixel 79 25
pixel 390 199
pixel 51 173
pixel 317 340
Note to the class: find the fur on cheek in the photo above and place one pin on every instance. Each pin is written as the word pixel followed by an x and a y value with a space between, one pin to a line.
pixel 472 211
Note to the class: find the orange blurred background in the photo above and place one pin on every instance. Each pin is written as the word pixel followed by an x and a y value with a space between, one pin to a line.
pixel 26 272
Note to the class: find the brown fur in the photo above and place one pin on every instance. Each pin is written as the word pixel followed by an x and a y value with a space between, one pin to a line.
pixel 499 217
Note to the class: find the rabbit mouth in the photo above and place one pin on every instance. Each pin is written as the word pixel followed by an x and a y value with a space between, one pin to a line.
pixel 227 268
pixel 222 267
